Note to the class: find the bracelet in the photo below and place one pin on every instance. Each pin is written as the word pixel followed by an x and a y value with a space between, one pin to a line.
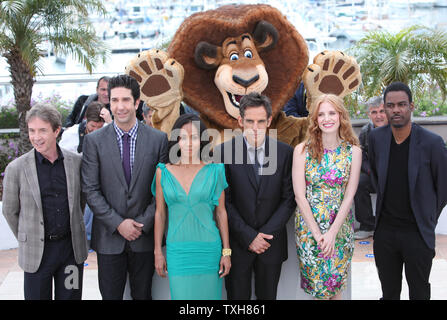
pixel 226 252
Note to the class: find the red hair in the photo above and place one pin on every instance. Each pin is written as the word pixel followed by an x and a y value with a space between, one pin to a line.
pixel 314 139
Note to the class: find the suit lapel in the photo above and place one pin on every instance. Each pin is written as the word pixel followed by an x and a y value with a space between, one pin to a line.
pixel 31 177
pixel 113 154
pixel 264 179
pixel 248 167
pixel 413 158
pixel 384 156
pixel 70 177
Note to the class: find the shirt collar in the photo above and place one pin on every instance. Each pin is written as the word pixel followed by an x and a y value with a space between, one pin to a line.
pixel 251 148
pixel 40 158
pixel 132 132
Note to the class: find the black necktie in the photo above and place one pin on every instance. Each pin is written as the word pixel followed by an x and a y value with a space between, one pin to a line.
pixel 257 167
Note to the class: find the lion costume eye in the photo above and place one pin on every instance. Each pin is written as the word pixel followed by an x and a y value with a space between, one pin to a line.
pixel 248 54
pixel 234 57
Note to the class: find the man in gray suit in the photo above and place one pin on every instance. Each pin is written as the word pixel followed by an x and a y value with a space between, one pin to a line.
pixel 42 205
pixel 119 163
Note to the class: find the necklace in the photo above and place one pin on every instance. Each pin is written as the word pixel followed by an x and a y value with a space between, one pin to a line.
pixel 331 147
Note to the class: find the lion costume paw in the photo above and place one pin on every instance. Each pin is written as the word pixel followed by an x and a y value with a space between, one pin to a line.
pixel 331 72
pixel 160 80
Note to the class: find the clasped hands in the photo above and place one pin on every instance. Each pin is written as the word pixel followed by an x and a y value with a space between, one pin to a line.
pixel 130 230
pixel 260 244
pixel 326 243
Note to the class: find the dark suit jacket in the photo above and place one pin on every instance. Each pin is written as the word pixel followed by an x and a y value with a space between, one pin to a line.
pixel 73 116
pixel 363 138
pixel 427 175
pixel 107 192
pixel 251 208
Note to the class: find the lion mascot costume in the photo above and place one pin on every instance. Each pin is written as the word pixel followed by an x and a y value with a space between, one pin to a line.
pixel 218 56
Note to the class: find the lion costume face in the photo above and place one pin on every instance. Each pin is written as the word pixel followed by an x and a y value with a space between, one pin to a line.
pixel 230 62
pixel 240 69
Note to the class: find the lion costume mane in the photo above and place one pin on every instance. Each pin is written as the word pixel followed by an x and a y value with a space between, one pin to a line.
pixel 217 56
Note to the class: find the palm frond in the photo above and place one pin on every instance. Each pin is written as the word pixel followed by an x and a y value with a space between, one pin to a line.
pixel 413 56
pixel 64 23
pixel 7 7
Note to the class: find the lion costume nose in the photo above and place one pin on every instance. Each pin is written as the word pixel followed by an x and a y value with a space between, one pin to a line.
pixel 243 82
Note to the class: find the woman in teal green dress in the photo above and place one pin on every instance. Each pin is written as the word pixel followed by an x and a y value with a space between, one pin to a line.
pixel 197 243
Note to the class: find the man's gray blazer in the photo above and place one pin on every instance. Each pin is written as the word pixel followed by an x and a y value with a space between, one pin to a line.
pixel 22 208
pixel 106 190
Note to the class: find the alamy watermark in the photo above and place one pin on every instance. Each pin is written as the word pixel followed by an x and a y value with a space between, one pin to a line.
pixel 72 281
pixel 213 153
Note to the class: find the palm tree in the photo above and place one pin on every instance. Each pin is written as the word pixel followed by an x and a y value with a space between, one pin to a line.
pixel 26 25
pixel 416 55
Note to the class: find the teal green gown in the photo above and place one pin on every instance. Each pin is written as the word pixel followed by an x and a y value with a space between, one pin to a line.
pixel 193 243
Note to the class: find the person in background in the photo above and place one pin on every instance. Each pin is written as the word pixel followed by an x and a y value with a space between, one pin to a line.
pixel 73 137
pixel 147 114
pixel 78 112
pixel 296 106
pixel 362 200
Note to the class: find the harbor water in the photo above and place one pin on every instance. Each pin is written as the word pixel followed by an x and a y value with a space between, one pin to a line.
pixel 132 26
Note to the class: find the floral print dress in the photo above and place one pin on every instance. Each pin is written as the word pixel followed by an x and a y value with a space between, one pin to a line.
pixel 325 187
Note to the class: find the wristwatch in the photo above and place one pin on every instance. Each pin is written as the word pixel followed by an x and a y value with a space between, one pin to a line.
pixel 226 252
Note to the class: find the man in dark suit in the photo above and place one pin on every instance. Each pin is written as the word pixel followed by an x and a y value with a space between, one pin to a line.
pixel 259 201
pixel 408 166
pixel 118 166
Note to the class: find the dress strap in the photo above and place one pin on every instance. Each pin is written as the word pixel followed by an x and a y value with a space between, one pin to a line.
pixel 219 182
pixel 163 169
pixel 161 165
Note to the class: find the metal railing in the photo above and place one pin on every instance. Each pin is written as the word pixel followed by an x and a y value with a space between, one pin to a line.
pixel 69 85
pixel 62 78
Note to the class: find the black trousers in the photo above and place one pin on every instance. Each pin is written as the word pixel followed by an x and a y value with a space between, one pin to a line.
pixel 362 200
pixel 113 270
pixel 57 264
pixel 238 281
pixel 395 248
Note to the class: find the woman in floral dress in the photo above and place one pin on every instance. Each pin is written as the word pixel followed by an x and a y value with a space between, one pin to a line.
pixel 326 169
